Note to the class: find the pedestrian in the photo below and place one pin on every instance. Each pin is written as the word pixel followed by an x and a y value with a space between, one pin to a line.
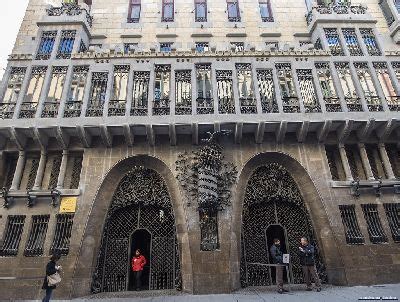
pixel 277 259
pixel 52 277
pixel 307 260
pixel 138 263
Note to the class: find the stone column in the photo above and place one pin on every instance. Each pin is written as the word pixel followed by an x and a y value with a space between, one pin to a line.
pixel 18 171
pixel 386 161
pixel 40 172
pixel 345 162
pixel 365 162
pixel 63 169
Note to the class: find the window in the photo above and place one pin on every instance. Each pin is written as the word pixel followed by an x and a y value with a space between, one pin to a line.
pixel 375 161
pixel 335 162
pixel 73 106
pixel 333 40
pixel 32 97
pixel 351 228
pixel 374 225
pixel 266 11
pixel 205 104
pixel 233 10
pixel 267 91
pixel 355 163
pixel 374 102
pixel 62 234
pixel 73 172
pixel 34 246
pixel 247 99
pixel 12 235
pixel 272 44
pixel 202 47
pixel 55 170
pixel 386 84
pixel 56 89
pixel 200 7
pixel 12 92
pixel 129 46
pixel 140 93
pixel 393 215
pixel 238 46
pixel 226 102
pixel 353 102
pixel 394 158
pixel 46 45
pixel 352 42
pixel 162 89
pixel 286 84
pixel 66 44
pixel 331 99
pixel 97 94
pixel 116 106
pixel 11 165
pixel 134 11
pixel 183 92
pixel 370 42
pixel 167 11
pixel 166 47
pixel 307 91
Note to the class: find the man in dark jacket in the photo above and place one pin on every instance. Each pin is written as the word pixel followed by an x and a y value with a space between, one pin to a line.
pixel 306 254
pixel 277 258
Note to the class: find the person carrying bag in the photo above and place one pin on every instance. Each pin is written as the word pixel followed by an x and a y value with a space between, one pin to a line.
pixel 52 277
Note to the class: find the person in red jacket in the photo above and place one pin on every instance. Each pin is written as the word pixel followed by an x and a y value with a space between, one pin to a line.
pixel 138 263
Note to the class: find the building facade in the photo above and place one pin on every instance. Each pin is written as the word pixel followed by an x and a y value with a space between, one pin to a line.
pixel 199 131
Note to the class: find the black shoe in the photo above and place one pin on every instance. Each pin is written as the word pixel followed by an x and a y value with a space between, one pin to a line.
pixel 309 289
pixel 318 289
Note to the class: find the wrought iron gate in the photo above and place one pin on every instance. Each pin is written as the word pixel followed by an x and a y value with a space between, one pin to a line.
pixel 141 201
pixel 272 197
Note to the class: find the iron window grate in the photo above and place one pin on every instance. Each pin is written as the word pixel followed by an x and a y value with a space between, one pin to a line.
pixel 12 235
pixel 34 246
pixel 62 234
pixel 393 215
pixel 352 230
pixel 375 229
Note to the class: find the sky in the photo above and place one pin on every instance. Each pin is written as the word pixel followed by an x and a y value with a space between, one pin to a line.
pixel 11 15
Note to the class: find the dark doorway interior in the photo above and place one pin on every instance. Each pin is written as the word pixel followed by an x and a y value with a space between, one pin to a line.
pixel 141 239
pixel 272 232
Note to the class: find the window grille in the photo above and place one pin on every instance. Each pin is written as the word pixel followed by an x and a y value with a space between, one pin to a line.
pixel 335 162
pixel 209 231
pixel 267 91
pixel 62 234
pixel 233 10
pixel 117 104
pixel 355 163
pixel 370 42
pixel 73 106
pixel 129 46
pixel 372 98
pixel 55 171
pixel 166 47
pixel 393 216
pixel 351 228
pixel 37 235
pixel 202 47
pixel 331 99
pixel 135 8
pixel 167 11
pixel 307 91
pixel 29 106
pixel 12 235
pixel 11 166
pixel 375 161
pixel 46 45
pixel 66 44
pixel 247 99
pixel 97 94
pixel 334 43
pixel 140 93
pixel 205 102
pixel 351 40
pixel 52 103
pixel 238 46
pixel 32 173
pixel 374 225
pixel 161 104
pixel 76 172
pixel 394 158
pixel 386 83
pixel 226 102
pixel 200 7
pixel 13 89
pixel 266 11
pixel 183 92
pixel 351 97
pixel 289 96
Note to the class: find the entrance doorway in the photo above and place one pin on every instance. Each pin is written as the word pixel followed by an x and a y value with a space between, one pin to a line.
pixel 276 231
pixel 140 239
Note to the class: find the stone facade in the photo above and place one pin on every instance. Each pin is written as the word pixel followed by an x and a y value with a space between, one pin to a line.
pixel 80 140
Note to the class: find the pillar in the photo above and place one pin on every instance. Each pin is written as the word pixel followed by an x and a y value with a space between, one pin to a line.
pixel 63 169
pixel 40 172
pixel 365 162
pixel 345 162
pixel 18 171
pixel 386 161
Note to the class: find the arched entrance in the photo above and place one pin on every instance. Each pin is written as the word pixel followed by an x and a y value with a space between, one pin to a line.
pixel 272 198
pixel 140 202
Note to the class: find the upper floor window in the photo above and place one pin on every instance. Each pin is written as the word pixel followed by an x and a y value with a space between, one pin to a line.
pixel 46 45
pixel 266 11
pixel 200 7
pixel 352 42
pixel 166 47
pixel 370 41
pixel 233 10
pixel 66 44
pixel 129 46
pixel 167 10
pixel 134 11
pixel 202 47
pixel 333 40
pixel 14 85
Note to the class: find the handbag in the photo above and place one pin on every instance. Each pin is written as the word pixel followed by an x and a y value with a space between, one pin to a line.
pixel 53 279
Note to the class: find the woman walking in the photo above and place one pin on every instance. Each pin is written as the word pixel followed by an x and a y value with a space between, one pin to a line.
pixel 138 263
pixel 52 276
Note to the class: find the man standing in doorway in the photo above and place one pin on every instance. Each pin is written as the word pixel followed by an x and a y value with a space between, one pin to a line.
pixel 277 259
pixel 138 263
pixel 308 263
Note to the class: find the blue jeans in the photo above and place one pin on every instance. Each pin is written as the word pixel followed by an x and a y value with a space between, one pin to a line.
pixel 47 297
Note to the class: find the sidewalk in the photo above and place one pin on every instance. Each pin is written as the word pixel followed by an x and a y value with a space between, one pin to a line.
pixel 328 294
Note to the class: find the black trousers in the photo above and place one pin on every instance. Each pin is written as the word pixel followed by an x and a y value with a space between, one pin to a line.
pixel 138 279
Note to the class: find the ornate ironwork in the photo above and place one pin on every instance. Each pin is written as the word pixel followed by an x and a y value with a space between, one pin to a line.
pixel 333 39
pixel 70 9
pixel 247 99
pixel 353 101
pixel 273 198
pixel 183 92
pixel 226 104
pixel 393 215
pixel 374 225
pixel 205 101
pixel 73 106
pixel 370 42
pixel 141 201
pixel 76 172
pixel 62 234
pixel 66 44
pixel 352 42
pixel 97 94
pixel 374 102
pixel 350 223
pixel 55 171
pixel 267 91
pixel 32 173
pixel 331 99
pixel 140 93
pixel 12 235
pixel 46 45
pixel 37 235
pixel 207 180
pixel 307 90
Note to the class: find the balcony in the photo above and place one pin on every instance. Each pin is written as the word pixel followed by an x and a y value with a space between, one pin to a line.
pixel 28 110
pixel 73 109
pixel 391 11
pixel 161 107
pixel 338 13
pixel 205 105
pixel 116 108
pixel 50 109
pixel 248 105
pixel 7 110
